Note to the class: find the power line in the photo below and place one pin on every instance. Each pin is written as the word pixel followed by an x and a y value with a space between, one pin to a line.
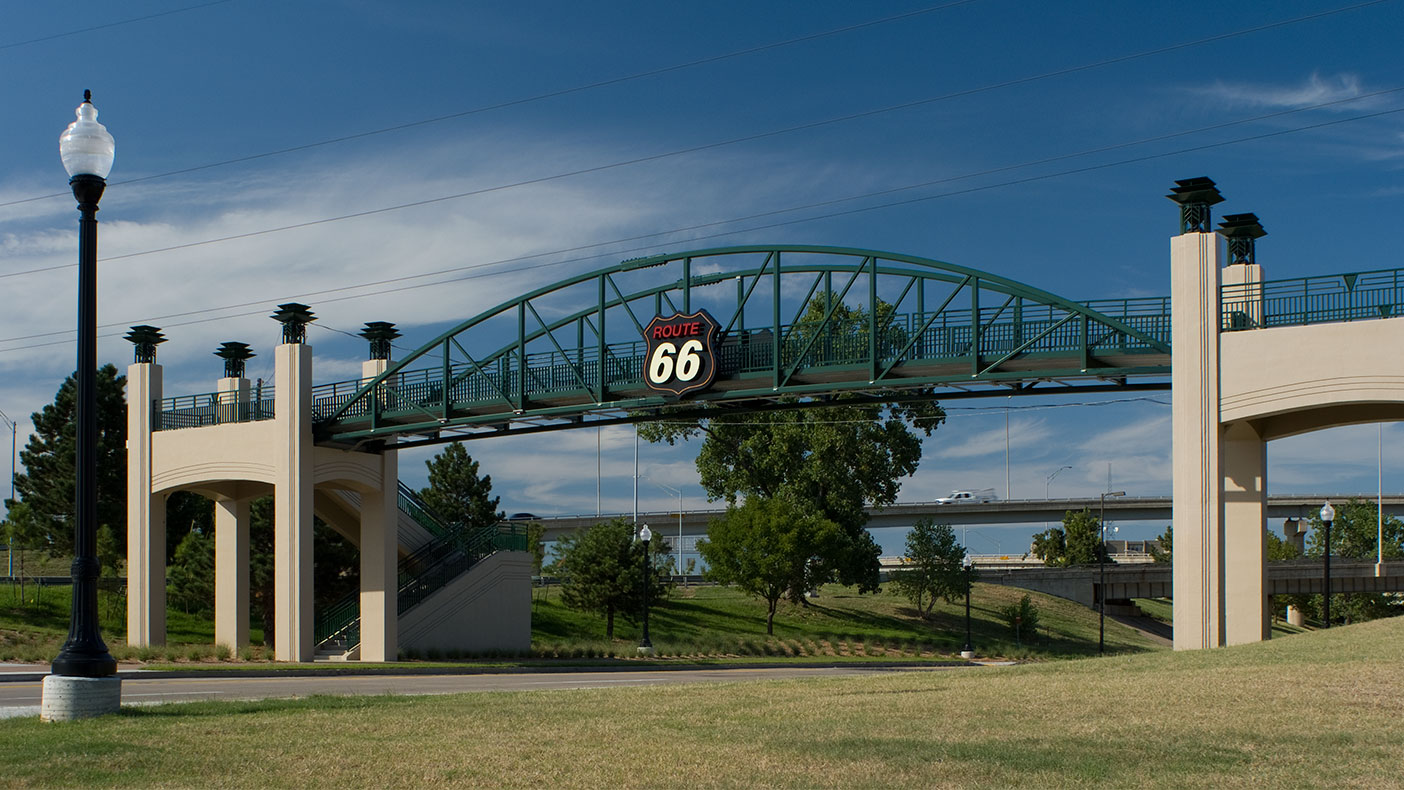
pixel 518 102
pixel 695 149
pixel 596 245
pixel 119 23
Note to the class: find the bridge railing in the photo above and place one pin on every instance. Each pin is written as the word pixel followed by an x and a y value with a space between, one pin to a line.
pixel 212 408
pixel 1313 300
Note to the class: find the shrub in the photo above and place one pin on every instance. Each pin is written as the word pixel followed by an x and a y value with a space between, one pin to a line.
pixel 1022 619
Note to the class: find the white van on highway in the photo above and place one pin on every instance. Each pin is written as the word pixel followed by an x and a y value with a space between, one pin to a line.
pixel 960 497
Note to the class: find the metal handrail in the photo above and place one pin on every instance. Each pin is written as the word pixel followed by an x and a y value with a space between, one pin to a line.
pixel 1323 299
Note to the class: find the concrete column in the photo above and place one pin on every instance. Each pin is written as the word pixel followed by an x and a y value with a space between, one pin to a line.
pixel 146 514
pixel 292 503
pixel 379 555
pixel 1244 281
pixel 233 399
pixel 232 573
pixel 1246 612
pixel 1195 261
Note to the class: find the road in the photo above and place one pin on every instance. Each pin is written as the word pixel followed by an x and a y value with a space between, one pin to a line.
pixel 22 697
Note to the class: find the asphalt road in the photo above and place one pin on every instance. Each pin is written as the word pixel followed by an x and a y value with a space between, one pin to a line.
pixel 22 697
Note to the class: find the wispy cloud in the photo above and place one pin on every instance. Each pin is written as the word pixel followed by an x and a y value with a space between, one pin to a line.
pixel 1314 90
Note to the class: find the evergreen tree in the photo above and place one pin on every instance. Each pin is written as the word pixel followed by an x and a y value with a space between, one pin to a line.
pixel 456 494
pixel 47 485
pixel 601 571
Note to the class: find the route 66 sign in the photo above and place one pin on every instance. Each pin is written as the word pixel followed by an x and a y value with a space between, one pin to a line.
pixel 680 352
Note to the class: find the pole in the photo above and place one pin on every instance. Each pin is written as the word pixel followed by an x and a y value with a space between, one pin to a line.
pixel 599 475
pixel 1102 580
pixel 679 557
pixel 84 654
pixel 1326 588
pixel 636 476
pixel 645 646
pixel 14 463
pixel 968 651
pixel 1008 494
pixel 1379 503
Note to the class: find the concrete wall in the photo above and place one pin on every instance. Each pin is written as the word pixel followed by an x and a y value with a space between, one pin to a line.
pixel 487 608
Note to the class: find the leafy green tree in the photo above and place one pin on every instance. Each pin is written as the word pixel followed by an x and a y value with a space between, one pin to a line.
pixel 1279 549
pixel 766 548
pixel 1076 542
pixel 456 494
pixel 834 461
pixel 1355 535
pixel 935 566
pixel 600 569
pixel 1022 618
pixel 47 485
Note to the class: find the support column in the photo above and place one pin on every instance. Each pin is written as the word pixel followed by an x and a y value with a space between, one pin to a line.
pixel 1198 499
pixel 292 504
pixel 146 514
pixel 1246 615
pixel 379 553
pixel 232 573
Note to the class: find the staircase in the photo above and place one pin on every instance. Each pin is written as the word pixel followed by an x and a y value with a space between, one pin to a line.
pixel 454 550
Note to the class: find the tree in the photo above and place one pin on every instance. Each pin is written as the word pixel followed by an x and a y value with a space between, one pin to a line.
pixel 48 483
pixel 600 571
pixel 834 461
pixel 456 494
pixel 766 548
pixel 190 578
pixel 1022 618
pixel 1076 542
pixel 1355 535
pixel 935 566
pixel 1165 552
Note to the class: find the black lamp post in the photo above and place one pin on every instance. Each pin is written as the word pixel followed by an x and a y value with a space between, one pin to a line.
pixel 646 535
pixel 87 151
pixel 1328 514
pixel 1102 573
pixel 969 566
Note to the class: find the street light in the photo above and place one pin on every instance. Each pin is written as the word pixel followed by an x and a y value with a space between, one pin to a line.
pixel 87 152
pixel 968 565
pixel 665 487
pixel 1328 514
pixel 645 535
pixel 1102 562
pixel 14 462
pixel 1049 482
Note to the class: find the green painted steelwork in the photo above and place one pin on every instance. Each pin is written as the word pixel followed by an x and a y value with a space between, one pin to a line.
pixel 212 408
pixel 540 362
pixel 1325 299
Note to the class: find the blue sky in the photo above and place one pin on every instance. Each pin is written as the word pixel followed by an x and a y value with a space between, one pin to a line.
pixel 1044 140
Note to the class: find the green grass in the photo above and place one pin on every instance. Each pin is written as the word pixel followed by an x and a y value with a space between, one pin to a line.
pixel 1319 710
pixel 34 628
pixel 720 620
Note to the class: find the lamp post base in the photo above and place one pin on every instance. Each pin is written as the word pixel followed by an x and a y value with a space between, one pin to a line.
pixel 68 698
pixel 967 654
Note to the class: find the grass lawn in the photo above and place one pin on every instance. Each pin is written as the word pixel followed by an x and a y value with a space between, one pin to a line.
pixel 1318 710
pixel 694 622
pixel 719 621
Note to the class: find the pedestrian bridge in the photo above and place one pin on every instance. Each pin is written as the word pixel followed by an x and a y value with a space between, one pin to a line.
pixel 752 328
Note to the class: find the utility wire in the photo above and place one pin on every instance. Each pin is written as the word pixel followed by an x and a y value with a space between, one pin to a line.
pixel 783 223
pixel 14 44
pixel 526 100
pixel 708 146
pixel 908 187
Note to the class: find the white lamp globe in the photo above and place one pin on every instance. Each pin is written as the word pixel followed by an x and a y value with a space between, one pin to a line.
pixel 645 534
pixel 85 146
pixel 1328 513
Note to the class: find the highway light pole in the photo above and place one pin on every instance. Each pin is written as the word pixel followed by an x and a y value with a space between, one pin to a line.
pixel 1328 514
pixel 84 680
pixel 1102 561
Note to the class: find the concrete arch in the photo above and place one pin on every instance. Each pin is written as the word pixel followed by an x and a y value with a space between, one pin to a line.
pixel 1237 385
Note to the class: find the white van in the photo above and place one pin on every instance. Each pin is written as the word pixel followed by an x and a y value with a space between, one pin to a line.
pixel 968 497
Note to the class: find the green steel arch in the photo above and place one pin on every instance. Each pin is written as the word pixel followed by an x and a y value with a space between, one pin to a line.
pixel 571 353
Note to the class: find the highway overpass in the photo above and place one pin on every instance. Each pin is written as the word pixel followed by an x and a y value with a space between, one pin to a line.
pixel 1017 511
